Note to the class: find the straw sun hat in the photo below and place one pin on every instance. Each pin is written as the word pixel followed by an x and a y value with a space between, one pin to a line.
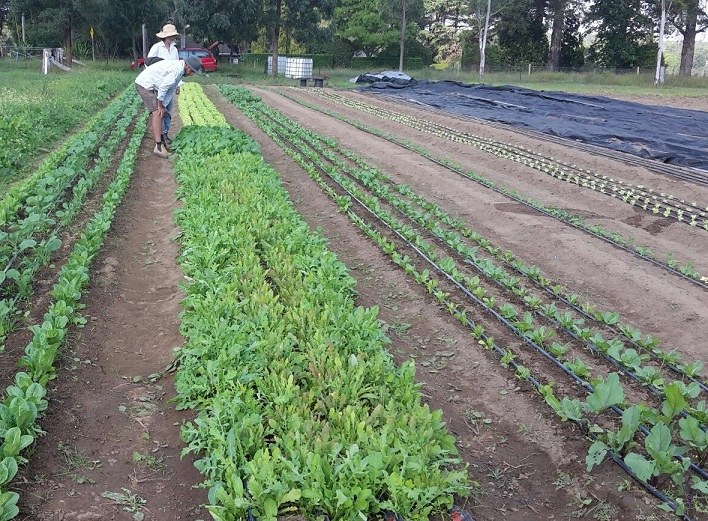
pixel 167 31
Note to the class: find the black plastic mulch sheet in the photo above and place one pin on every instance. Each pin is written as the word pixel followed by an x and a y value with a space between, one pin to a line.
pixel 671 135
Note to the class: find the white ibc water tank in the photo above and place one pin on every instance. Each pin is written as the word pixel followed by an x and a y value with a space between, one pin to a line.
pixel 281 64
pixel 298 68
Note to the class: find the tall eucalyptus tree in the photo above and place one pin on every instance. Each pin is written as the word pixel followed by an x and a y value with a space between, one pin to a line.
pixel 690 17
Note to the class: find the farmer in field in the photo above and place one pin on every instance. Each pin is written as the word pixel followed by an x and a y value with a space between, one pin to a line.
pixel 157 85
pixel 165 49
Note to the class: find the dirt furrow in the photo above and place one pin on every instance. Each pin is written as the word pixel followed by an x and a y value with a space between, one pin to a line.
pixel 112 450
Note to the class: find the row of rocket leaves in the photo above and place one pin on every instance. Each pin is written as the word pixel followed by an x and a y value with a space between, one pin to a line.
pixel 300 407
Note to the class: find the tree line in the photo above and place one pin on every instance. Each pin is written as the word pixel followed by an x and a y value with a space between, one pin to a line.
pixel 553 33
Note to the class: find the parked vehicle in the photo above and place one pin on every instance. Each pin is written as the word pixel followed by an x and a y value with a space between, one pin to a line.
pixel 207 59
pixel 141 64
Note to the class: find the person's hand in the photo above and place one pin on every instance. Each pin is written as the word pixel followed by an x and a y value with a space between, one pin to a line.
pixel 161 110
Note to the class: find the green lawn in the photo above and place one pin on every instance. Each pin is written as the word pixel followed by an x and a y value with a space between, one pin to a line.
pixel 37 110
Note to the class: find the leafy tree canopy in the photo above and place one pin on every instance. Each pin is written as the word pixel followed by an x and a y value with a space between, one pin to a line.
pixel 624 34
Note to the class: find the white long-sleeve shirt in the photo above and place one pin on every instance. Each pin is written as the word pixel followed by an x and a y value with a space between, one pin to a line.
pixel 163 77
pixel 160 51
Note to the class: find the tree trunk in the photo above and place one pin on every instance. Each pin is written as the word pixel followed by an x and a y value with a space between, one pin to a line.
pixel 660 53
pixel 135 47
pixel 554 51
pixel 483 38
pixel 689 39
pixel 67 42
pixel 403 37
pixel 276 37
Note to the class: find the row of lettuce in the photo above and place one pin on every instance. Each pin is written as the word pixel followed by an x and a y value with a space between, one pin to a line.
pixel 653 201
pixel 33 216
pixel 37 211
pixel 300 407
pixel 639 196
pixel 663 447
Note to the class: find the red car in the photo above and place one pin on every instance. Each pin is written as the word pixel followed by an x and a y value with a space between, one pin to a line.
pixel 207 59
pixel 141 64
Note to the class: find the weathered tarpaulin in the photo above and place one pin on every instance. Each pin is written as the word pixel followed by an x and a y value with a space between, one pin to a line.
pixel 671 135
pixel 385 79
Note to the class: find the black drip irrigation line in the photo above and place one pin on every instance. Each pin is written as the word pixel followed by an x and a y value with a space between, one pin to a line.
pixel 11 261
pixel 521 152
pixel 690 174
pixel 651 488
pixel 613 330
pixel 596 350
pixel 520 200
pixel 593 348
pixel 536 384
pixel 629 374
pixel 582 312
pixel 579 310
pixel 589 388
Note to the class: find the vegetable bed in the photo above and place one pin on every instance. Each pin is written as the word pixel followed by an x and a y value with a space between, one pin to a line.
pixel 300 406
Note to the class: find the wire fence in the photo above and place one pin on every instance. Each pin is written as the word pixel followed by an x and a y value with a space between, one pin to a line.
pixel 527 72
pixel 531 69
pixel 21 52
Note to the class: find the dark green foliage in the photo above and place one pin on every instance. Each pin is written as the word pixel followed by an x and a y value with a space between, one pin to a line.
pixel 494 54
pixel 302 20
pixel 342 52
pixel 224 20
pixel 374 26
pixel 624 34
pixel 4 10
pixel 359 22
pixel 115 22
pixel 522 33
pixel 385 62
pixel 572 49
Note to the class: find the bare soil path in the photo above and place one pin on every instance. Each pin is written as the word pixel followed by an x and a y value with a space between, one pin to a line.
pixel 113 448
pixel 528 467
